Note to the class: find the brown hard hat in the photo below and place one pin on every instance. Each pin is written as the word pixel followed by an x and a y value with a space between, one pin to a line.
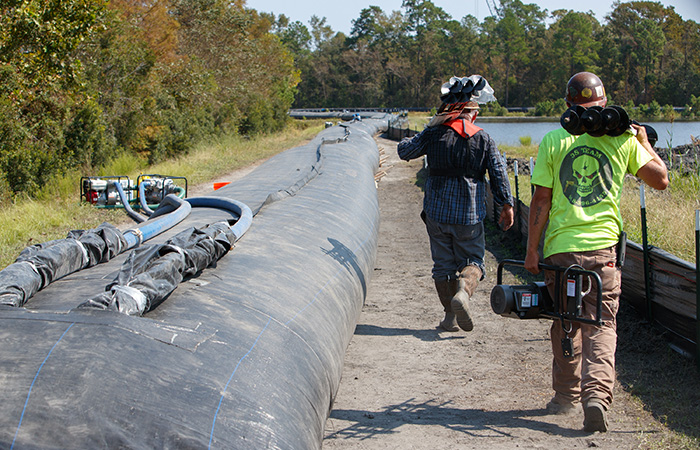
pixel 585 89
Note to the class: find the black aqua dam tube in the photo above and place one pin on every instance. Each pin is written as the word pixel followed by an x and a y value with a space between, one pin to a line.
pixel 245 352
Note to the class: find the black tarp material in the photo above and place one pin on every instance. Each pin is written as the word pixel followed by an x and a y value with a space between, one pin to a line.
pixel 244 355
pixel 152 271
pixel 39 265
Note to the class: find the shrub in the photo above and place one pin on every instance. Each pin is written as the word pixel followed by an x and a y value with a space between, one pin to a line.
pixel 264 114
pixel 257 117
pixel 494 109
pixel 543 108
pixel 87 141
pixel 687 112
pixel 692 109
pixel 26 169
pixel 647 112
pixel 550 108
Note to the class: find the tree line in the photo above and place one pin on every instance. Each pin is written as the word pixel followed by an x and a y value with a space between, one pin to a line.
pixel 82 81
pixel 645 53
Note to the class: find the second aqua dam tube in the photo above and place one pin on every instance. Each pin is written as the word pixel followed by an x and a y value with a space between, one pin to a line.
pixel 244 354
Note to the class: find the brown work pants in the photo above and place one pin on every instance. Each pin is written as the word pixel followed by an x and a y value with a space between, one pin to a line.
pixel 590 373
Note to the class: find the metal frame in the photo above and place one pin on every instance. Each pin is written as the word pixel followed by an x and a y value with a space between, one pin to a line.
pixel 557 294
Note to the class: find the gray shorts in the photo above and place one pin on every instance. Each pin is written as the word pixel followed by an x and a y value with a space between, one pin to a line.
pixel 453 247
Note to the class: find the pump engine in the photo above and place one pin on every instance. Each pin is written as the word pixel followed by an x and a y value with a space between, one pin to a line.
pixel 103 191
pixel 533 301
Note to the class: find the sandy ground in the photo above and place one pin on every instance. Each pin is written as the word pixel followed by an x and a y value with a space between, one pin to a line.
pixel 407 385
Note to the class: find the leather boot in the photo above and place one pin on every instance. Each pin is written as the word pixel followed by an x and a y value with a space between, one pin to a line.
pixel 446 290
pixel 468 281
pixel 595 416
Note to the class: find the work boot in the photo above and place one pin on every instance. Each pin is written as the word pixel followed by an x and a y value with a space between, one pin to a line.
pixel 449 323
pixel 446 289
pixel 562 408
pixel 594 416
pixel 468 280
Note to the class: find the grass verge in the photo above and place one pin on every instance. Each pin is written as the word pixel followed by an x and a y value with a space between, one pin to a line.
pixel 665 382
pixel 58 209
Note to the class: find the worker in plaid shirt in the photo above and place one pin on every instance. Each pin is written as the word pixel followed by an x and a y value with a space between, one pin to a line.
pixel 459 154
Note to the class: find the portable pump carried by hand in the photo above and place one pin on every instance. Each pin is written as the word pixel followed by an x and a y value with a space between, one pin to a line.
pixel 532 301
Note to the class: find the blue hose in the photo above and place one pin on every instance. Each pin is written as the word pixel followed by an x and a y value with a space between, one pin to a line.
pixel 125 201
pixel 245 215
pixel 136 236
pixel 142 198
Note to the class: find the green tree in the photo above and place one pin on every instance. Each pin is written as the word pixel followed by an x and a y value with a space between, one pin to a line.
pixel 645 51
pixel 369 27
pixel 384 37
pixel 632 46
pixel 321 32
pixel 39 37
pixel 573 44
pixel 649 42
pixel 680 68
pixel 252 69
pixel 423 15
pixel 461 48
pixel 297 38
pixel 39 41
pixel 423 68
pixel 508 39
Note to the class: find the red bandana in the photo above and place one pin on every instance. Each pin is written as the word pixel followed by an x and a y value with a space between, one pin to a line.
pixel 463 127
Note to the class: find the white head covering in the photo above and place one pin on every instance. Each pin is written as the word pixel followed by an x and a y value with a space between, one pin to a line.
pixel 473 88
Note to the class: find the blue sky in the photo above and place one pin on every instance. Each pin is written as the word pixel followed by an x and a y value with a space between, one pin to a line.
pixel 339 14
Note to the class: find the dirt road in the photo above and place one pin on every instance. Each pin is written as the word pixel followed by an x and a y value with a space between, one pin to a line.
pixel 407 385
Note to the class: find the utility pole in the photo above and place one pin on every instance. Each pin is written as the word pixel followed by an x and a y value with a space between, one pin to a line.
pixel 494 7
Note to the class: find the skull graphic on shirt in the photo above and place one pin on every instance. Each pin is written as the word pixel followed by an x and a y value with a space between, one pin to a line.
pixel 585 176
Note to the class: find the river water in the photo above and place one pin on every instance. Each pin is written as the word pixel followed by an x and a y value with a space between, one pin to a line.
pixel 509 132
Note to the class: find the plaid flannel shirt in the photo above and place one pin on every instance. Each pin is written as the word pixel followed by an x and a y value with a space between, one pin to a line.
pixel 459 199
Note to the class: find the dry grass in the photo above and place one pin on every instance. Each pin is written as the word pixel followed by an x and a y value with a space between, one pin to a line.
pixel 643 362
pixel 670 217
pixel 28 222
pixel 228 153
